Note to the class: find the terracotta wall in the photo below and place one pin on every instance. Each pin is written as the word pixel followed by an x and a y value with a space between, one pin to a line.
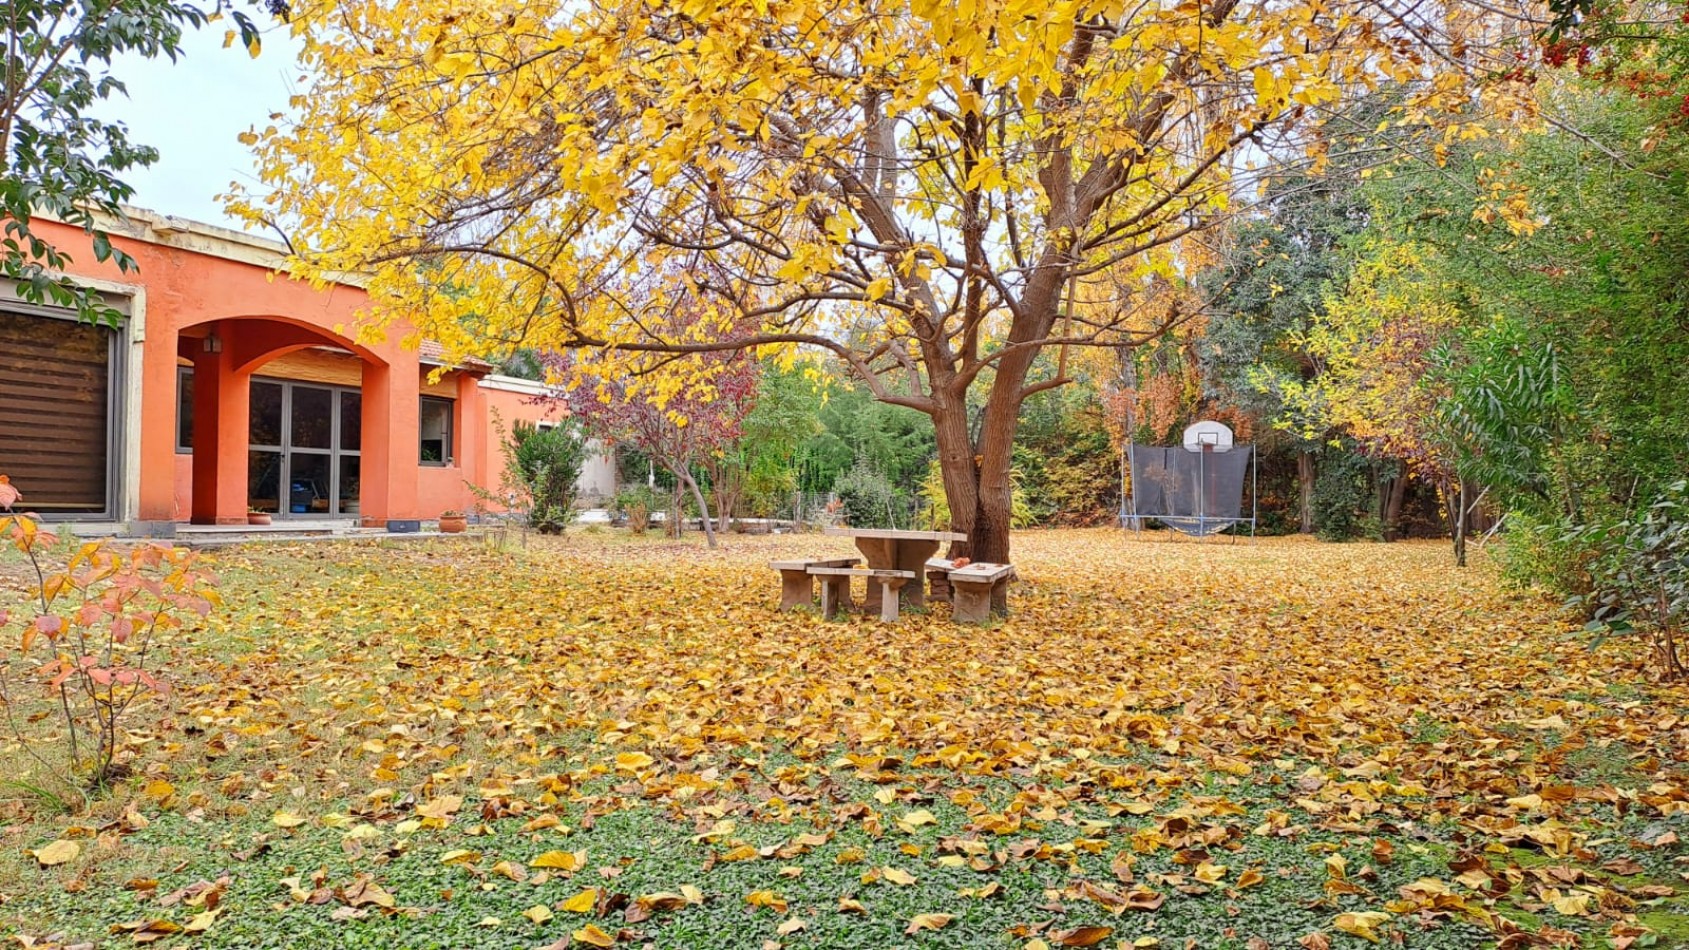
pixel 209 297
pixel 439 488
pixel 212 295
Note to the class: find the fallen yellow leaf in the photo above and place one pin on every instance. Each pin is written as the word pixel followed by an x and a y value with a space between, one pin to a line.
pixel 58 852
pixel 1361 924
pixel 593 937
pixel 766 899
pixel 922 922
pixel 582 903
pixel 559 860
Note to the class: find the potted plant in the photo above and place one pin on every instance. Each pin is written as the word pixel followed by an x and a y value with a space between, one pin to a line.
pixel 453 521
pixel 254 516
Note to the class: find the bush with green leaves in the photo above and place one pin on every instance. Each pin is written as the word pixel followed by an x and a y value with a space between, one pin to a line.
pixel 868 498
pixel 1639 578
pixel 1542 551
pixel 546 464
pixel 1340 494
pixel 635 503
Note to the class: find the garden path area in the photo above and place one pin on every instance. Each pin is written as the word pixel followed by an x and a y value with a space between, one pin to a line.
pixel 614 741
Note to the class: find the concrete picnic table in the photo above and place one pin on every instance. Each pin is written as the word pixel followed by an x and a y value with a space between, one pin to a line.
pixel 888 549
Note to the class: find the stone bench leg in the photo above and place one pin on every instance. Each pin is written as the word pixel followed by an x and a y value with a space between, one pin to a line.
pixel 889 599
pixel 835 595
pixel 970 603
pixel 797 589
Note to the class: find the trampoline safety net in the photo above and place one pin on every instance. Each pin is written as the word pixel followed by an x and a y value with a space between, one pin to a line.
pixel 1199 493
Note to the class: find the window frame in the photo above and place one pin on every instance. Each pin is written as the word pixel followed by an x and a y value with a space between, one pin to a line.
pixel 448 443
pixel 183 448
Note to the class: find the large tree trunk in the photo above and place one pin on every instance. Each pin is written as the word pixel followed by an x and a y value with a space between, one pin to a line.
pixel 979 489
pixel 959 471
pixel 1306 473
pixel 978 479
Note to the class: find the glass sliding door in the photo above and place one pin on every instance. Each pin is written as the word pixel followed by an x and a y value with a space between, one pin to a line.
pixel 264 476
pixel 304 449
pixel 310 457
pixel 351 428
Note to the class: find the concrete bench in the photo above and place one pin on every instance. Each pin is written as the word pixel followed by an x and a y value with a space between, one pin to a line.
pixel 835 588
pixel 973 588
pixel 797 584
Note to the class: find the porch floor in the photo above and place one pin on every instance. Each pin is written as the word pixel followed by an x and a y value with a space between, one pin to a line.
pixel 284 526
pixel 236 536
pixel 285 531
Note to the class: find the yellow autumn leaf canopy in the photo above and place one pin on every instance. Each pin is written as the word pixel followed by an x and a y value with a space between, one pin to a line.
pixel 890 181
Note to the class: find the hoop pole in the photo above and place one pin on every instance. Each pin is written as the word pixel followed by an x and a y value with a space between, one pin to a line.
pixel 1132 471
pixel 1202 490
pixel 1254 490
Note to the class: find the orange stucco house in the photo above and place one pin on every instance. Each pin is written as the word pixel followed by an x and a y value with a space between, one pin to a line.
pixel 228 388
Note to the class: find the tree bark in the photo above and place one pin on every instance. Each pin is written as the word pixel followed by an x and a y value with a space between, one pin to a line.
pixel 1306 472
pixel 978 485
pixel 979 479
pixel 1393 505
pixel 725 503
pixel 703 506
pixel 1457 521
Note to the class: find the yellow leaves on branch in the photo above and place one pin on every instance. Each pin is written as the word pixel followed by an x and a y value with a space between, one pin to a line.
pixel 590 119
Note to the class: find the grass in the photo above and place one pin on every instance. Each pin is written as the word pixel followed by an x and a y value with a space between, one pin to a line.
pixel 1151 708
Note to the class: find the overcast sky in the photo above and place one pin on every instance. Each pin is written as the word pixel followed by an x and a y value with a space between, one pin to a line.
pixel 193 109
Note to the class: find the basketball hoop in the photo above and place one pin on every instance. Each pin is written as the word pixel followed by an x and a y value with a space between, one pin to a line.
pixel 1208 436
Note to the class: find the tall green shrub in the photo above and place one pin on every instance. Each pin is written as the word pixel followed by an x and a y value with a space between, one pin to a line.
pixel 1340 492
pixel 546 465
pixel 1639 578
pixel 868 498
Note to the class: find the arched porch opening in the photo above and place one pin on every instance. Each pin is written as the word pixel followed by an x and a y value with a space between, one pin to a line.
pixel 297 449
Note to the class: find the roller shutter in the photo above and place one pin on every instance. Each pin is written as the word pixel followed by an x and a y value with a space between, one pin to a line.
pixel 55 379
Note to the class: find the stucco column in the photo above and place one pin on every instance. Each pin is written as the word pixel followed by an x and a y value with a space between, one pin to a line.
pixel 472 458
pixel 153 361
pixel 388 467
pixel 222 425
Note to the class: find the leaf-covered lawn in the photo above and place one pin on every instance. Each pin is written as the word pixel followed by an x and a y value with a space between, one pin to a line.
pixel 617 741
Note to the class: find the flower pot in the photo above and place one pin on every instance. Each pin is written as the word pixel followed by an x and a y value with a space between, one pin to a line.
pixel 258 517
pixel 453 524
